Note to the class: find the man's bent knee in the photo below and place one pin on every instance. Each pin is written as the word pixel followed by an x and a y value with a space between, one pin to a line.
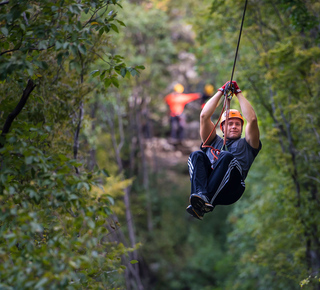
pixel 197 154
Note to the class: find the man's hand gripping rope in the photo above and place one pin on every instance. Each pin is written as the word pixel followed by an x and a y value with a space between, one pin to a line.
pixel 229 89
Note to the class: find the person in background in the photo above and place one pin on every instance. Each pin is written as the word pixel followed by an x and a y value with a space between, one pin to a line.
pixel 217 175
pixel 177 102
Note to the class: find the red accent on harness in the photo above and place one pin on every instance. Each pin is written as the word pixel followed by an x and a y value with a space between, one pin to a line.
pixel 226 105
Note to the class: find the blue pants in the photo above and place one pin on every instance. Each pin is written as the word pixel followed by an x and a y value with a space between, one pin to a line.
pixel 223 184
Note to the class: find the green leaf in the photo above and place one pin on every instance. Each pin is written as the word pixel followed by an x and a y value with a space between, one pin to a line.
pixel 59 58
pixel 73 264
pixel 123 72
pixel 30 72
pixel 115 82
pixel 73 197
pixel 29 160
pixel 114 27
pixel 58 45
pixel 82 48
pixel 105 172
pixel 120 22
pixel 12 139
pixel 91 224
pixel 74 49
pixel 134 262
pixel 101 30
pixel 63 157
pixel 95 73
pixel 44 65
pixel 86 186
pixel 111 200
pixel 107 82
pixel 43 45
pixel 102 75
pixel 5 31
pixel 134 72
pixel 6 45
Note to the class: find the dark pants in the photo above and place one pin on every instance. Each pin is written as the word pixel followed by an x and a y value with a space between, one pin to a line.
pixel 221 185
pixel 177 127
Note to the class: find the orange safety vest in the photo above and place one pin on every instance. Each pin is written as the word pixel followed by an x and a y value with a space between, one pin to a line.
pixel 177 102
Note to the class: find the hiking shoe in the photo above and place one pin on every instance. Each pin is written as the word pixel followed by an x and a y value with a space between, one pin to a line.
pixel 195 213
pixel 200 203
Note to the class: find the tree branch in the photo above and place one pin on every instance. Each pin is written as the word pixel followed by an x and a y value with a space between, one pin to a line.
pixel 7 51
pixel 4 3
pixel 26 93
pixel 96 13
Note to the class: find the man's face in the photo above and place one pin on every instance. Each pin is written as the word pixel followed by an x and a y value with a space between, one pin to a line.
pixel 234 128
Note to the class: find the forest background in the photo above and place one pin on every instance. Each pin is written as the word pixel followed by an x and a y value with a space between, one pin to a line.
pixel 93 196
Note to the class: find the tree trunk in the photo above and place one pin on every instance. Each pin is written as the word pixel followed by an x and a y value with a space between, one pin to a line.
pixel 132 271
pixel 145 169
pixel 92 152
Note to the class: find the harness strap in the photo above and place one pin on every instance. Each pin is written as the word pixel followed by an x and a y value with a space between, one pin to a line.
pixel 214 151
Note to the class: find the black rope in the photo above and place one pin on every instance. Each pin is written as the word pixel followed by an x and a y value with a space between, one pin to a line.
pixel 230 86
pixel 235 58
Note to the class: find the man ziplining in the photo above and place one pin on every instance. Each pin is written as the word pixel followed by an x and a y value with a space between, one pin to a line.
pixel 217 176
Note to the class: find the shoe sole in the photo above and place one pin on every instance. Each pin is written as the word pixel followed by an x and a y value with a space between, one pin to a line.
pixel 198 203
pixel 191 211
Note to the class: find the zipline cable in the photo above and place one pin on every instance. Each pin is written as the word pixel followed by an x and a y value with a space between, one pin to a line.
pixel 227 98
pixel 235 58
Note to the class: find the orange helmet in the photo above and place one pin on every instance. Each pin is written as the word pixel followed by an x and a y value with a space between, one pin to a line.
pixel 209 89
pixel 178 88
pixel 232 114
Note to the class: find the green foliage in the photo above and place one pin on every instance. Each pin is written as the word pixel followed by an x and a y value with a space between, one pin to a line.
pixel 147 40
pixel 67 28
pixel 54 224
pixel 301 14
pixel 53 229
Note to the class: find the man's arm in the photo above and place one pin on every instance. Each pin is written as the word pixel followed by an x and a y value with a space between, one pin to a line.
pixel 206 125
pixel 252 133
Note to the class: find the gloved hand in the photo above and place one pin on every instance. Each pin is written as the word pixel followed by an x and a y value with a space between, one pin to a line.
pixel 235 86
pixel 223 87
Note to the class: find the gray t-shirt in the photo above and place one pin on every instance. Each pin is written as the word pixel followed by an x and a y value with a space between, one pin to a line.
pixel 240 149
